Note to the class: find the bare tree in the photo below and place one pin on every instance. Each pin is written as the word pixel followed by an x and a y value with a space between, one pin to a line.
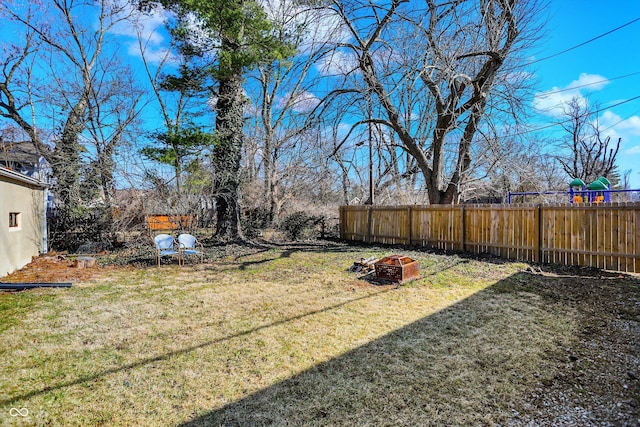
pixel 114 106
pixel 511 164
pixel 439 63
pixel 57 81
pixel 587 153
pixel 282 95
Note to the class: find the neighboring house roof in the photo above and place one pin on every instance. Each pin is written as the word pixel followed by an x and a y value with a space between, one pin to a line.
pixel 22 157
pixel 20 178
pixel 23 153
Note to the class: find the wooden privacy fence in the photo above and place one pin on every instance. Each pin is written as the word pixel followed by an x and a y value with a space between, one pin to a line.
pixel 603 236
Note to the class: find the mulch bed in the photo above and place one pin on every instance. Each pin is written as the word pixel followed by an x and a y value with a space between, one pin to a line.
pixel 54 268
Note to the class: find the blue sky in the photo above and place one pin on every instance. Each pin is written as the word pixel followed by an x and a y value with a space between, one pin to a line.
pixel 617 54
pixel 569 23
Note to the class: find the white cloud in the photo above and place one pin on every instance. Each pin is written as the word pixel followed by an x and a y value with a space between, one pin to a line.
pixel 630 126
pixel 153 54
pixel 337 63
pixel 614 126
pixel 552 102
pixel 318 28
pixel 325 28
pixel 302 102
pixel 143 33
pixel 319 25
pixel 249 109
pixel 633 150
pixel 133 22
pixel 592 81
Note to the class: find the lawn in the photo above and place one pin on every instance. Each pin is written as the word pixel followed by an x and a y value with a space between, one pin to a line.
pixel 288 336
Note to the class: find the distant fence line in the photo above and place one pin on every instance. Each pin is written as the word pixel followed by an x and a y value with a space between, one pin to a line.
pixel 170 222
pixel 596 235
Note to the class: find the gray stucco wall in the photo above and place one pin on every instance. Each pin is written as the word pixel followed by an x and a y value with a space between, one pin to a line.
pixel 24 197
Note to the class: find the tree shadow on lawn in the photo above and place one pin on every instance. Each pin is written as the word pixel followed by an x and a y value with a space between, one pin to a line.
pixel 530 350
pixel 290 248
pixel 216 250
pixel 182 351
pixel 237 250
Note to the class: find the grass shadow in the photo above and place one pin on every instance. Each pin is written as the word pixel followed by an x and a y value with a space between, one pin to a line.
pixel 530 350
pixel 169 355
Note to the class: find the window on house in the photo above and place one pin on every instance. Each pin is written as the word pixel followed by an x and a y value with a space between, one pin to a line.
pixel 13 219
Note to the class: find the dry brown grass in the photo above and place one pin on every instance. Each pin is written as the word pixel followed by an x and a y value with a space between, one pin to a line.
pixel 286 337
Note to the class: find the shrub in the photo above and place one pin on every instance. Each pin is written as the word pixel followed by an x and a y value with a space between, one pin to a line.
pixel 254 221
pixel 296 224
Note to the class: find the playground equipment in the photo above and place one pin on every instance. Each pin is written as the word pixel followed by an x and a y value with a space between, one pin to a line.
pixel 576 187
pixel 599 191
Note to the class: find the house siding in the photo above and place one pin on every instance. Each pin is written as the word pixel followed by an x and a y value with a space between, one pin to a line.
pixel 19 244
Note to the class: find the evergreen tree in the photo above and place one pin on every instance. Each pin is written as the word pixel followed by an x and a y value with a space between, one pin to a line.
pixel 236 35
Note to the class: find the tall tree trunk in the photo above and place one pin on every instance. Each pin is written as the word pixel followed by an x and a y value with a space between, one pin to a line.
pixel 274 205
pixel 106 170
pixel 227 155
pixel 269 184
pixel 66 165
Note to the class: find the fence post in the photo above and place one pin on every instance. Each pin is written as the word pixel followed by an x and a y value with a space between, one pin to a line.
pixel 537 226
pixel 462 227
pixel 409 225
pixel 369 223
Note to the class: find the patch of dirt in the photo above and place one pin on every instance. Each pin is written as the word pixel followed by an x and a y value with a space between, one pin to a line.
pixel 595 379
pixel 54 268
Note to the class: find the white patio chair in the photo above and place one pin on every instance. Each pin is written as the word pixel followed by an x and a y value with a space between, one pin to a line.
pixel 189 245
pixel 165 246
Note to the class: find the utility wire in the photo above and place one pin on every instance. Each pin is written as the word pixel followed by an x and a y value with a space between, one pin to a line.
pixel 585 42
pixel 615 105
pixel 544 94
pixel 599 110
pixel 620 121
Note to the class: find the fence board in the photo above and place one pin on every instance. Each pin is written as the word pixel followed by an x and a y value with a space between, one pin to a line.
pixel 630 246
pixel 636 239
pixel 169 222
pixel 605 236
